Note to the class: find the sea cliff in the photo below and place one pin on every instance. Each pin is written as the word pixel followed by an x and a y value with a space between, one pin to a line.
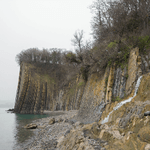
pixel 127 127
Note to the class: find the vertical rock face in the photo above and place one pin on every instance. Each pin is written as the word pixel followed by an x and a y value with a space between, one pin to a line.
pixel 120 82
pixel 110 85
pixel 93 100
pixel 134 70
pixel 38 91
pixel 115 84
pixel 99 91
pixel 30 93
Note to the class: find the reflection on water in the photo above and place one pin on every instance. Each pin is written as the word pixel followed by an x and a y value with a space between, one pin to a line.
pixel 12 133
pixel 21 134
pixel 7 126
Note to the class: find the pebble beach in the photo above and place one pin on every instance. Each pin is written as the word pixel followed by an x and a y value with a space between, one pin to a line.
pixel 47 134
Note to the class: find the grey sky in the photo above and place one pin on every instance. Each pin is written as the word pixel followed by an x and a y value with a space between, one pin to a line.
pixel 36 23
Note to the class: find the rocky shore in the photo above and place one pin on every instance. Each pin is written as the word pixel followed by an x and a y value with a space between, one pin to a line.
pixel 48 133
pixel 61 132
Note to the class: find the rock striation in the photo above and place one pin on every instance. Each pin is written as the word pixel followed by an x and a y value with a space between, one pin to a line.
pixel 127 127
pixel 38 91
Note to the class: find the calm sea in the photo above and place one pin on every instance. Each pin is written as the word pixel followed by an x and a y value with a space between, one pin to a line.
pixel 12 133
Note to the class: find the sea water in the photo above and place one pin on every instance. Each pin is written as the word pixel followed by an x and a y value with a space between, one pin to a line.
pixel 12 133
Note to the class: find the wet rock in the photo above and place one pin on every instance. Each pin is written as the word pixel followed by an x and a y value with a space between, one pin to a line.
pixel 10 109
pixel 147 113
pixel 30 126
pixel 52 121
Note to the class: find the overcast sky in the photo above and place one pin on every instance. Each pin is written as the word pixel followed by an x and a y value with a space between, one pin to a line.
pixel 36 23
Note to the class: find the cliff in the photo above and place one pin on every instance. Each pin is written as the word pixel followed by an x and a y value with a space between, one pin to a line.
pixel 122 123
pixel 37 90
pixel 116 83
pixel 102 97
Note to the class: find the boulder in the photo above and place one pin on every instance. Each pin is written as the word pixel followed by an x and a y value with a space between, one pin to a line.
pixel 10 109
pixel 147 113
pixel 30 126
pixel 52 121
pixel 147 147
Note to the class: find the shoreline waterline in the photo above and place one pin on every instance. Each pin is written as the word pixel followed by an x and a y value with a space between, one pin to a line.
pixel 13 135
pixel 46 133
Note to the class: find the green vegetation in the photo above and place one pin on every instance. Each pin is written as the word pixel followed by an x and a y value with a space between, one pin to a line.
pixel 106 81
pixel 127 76
pixel 112 45
pixel 144 42
pixel 47 78
pixel 76 86
pixel 71 57
pixel 72 90
pixel 109 63
pixel 116 99
pixel 84 72
pixel 117 29
pixel 81 84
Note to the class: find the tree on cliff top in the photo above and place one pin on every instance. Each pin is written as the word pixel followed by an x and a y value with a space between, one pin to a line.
pixel 34 55
pixel 118 26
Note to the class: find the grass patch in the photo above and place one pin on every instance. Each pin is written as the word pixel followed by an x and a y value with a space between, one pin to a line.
pixel 106 81
pixel 116 99
pixel 112 45
pixel 81 84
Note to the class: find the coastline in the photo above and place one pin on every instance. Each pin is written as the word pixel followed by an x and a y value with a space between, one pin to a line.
pixel 46 136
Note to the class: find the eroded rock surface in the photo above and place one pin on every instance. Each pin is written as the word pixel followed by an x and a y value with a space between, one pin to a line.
pixel 127 127
pixel 30 126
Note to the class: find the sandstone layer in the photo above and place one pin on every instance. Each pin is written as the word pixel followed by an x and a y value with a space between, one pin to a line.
pixel 127 127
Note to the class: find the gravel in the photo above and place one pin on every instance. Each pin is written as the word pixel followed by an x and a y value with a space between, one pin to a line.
pixel 46 136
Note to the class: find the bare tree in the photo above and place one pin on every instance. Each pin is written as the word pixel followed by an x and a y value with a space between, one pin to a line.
pixel 100 20
pixel 78 40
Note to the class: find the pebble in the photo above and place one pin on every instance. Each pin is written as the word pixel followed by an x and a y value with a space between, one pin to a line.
pixel 147 113
pixel 47 136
